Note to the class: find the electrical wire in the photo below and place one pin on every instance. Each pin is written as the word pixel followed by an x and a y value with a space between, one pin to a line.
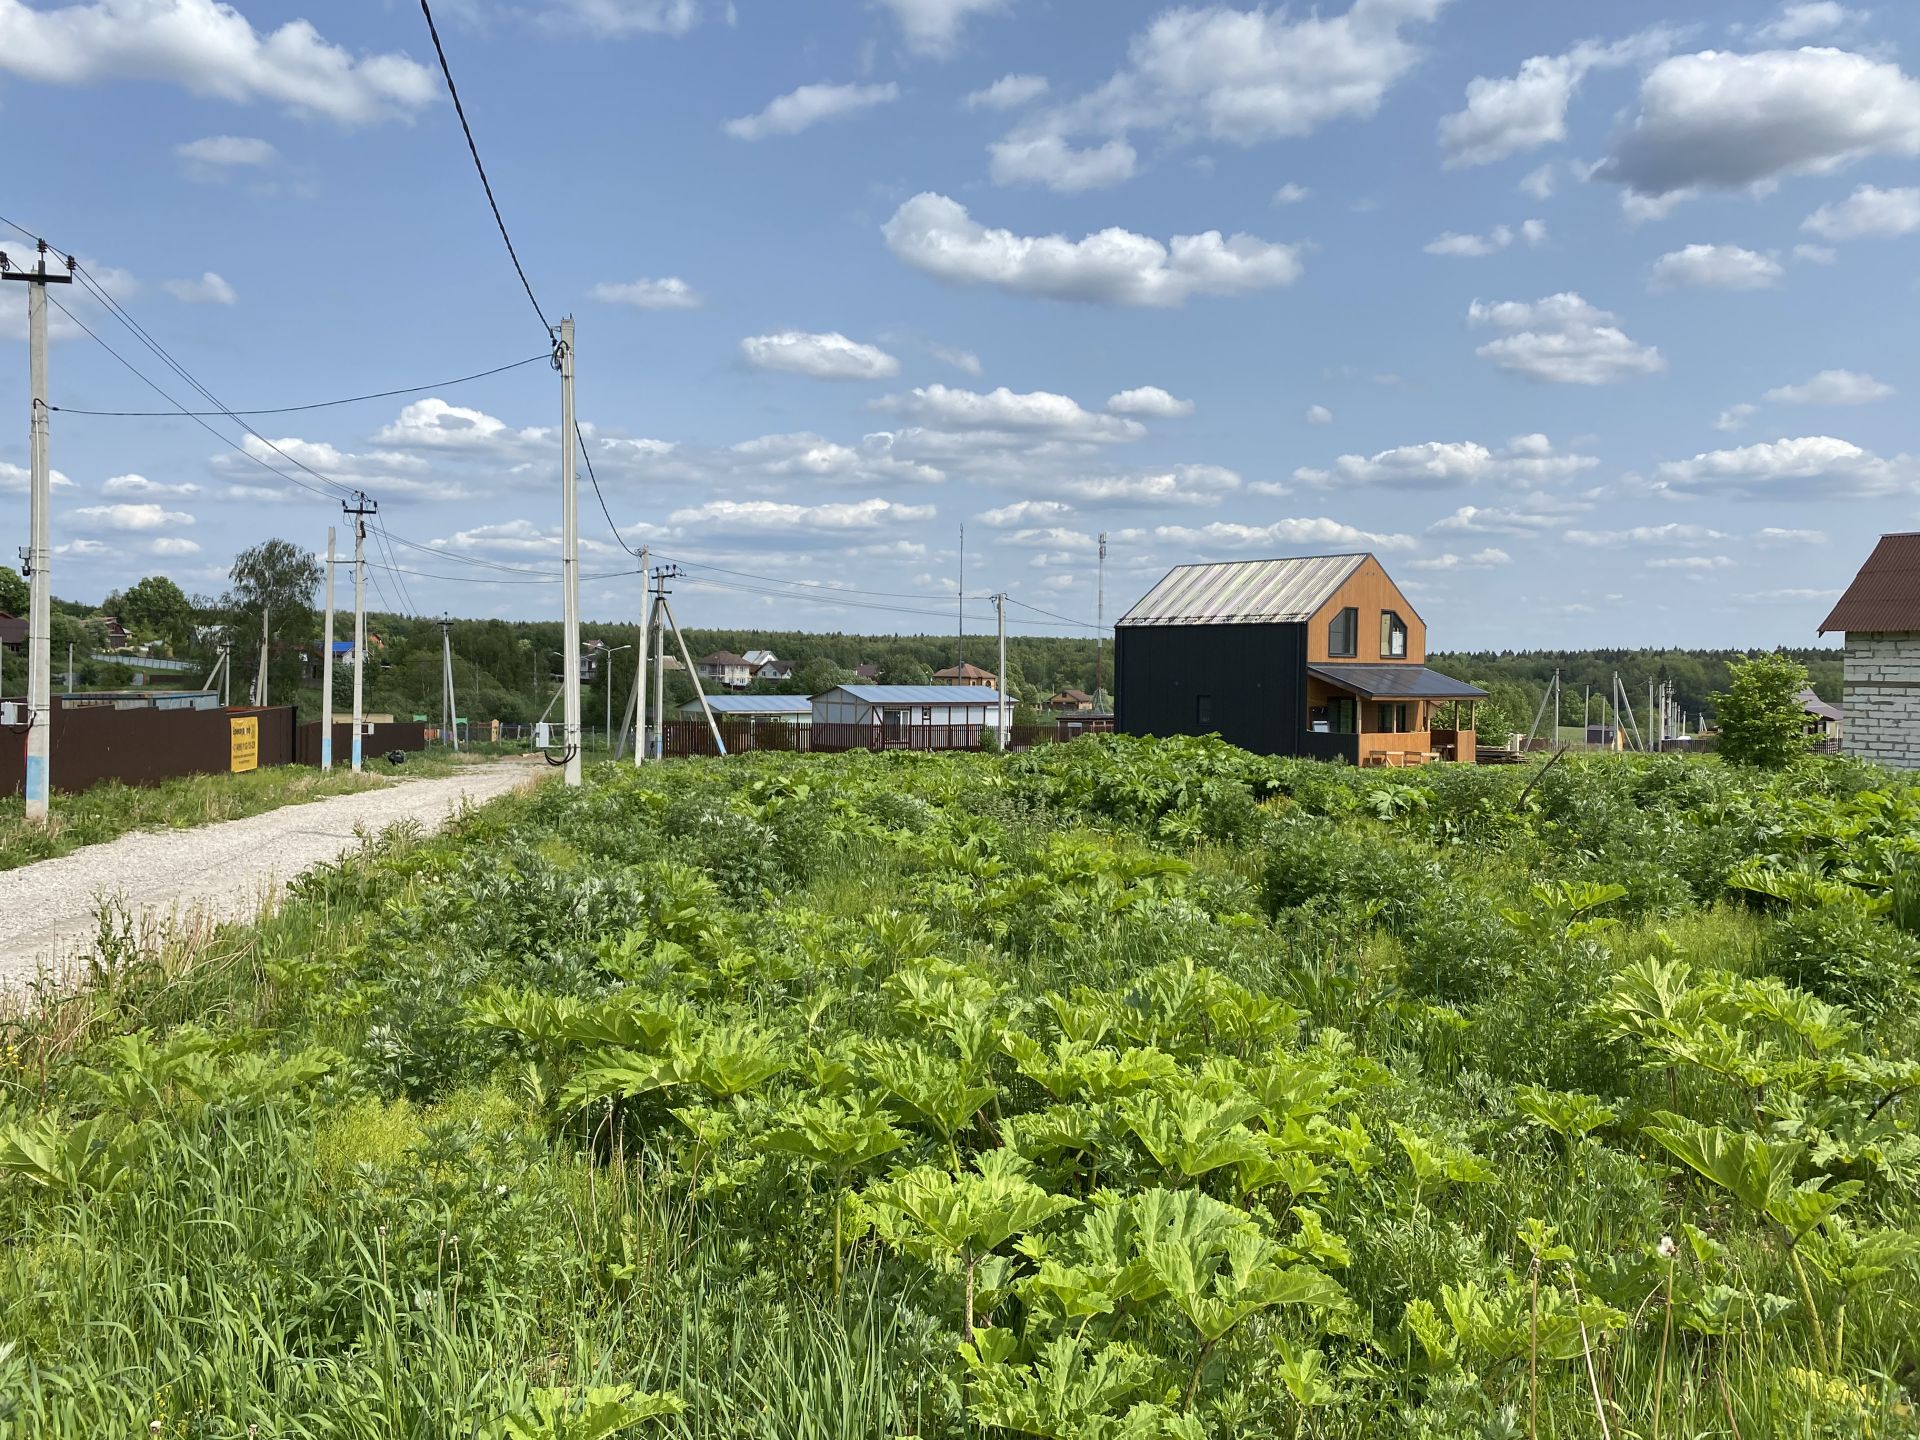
pixel 1064 619
pixel 805 585
pixel 474 150
pixel 301 409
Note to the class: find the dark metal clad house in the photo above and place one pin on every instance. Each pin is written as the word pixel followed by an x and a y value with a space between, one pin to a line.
pixel 1320 656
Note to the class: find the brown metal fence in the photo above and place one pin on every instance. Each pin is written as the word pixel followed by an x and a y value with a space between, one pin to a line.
pixel 92 744
pixel 400 735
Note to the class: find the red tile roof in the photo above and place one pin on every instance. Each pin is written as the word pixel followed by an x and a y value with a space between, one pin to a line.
pixel 1885 595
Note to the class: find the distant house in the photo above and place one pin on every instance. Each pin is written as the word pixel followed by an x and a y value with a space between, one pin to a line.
pixel 866 672
pixel 1880 616
pixel 905 717
pixel 773 668
pixel 118 637
pixel 789 709
pixel 1320 655
pixel 1067 700
pixel 725 668
pixel 1825 722
pixel 966 673
pixel 13 632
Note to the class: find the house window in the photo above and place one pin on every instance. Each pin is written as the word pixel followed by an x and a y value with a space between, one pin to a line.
pixel 1333 718
pixel 926 715
pixel 1203 711
pixel 1391 719
pixel 1343 633
pixel 1393 636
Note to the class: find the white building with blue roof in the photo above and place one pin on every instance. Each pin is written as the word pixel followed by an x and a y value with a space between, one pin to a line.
pixel 906 717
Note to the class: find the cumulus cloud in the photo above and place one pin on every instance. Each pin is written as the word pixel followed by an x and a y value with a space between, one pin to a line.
pixel 218 157
pixel 831 356
pixel 933 27
pixel 960 359
pixel 173 546
pixel 1807 21
pixel 1529 109
pixel 1869 211
pixel 1528 460
pixel 669 292
pixel 1815 254
pixel 1812 465
pixel 1149 401
pixel 1485 559
pixel 1113 267
pixel 1734 416
pixel 1290 194
pixel 1562 340
pixel 1716 267
pixel 1723 121
pixel 1319 415
pixel 434 424
pixel 209 289
pixel 833 518
pixel 1055 162
pixel 1638 536
pixel 1534 232
pixel 1037 412
pixel 1832 387
pixel 1690 563
pixel 808 106
pixel 1773 537
pixel 616 19
pixel 1009 92
pixel 1538 182
pixel 1282 534
pixel 131 484
pixel 18 480
pixel 209 49
pixel 1025 513
pixel 1533 515
pixel 128 516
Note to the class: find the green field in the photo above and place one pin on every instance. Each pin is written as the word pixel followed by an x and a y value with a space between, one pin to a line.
pixel 1122 1089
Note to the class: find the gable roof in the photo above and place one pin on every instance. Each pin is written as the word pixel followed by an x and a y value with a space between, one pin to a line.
pixel 965 670
pixel 1818 708
pixel 1885 595
pixel 753 705
pixel 1244 592
pixel 722 657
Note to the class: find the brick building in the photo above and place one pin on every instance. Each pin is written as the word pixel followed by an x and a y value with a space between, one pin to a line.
pixel 1880 615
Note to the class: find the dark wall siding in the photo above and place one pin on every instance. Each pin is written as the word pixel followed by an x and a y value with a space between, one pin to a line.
pixel 400 735
pixel 1253 678
pixel 142 747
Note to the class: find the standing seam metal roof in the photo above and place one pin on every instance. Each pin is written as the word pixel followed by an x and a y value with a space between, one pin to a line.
pixel 1390 681
pixel 756 704
pixel 1885 596
pixel 1244 592
pixel 918 694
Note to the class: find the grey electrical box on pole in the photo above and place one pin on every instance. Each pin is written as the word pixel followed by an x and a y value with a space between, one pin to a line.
pixel 569 558
pixel 39 553
pixel 359 509
pixel 326 668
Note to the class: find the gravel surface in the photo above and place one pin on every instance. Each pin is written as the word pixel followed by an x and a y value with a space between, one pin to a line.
pixel 50 910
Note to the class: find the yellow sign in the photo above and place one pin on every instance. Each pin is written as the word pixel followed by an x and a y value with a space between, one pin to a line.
pixel 245 743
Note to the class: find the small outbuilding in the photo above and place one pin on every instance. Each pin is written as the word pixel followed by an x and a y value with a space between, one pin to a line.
pixel 1319 655
pixel 790 709
pixel 1879 613
pixel 905 717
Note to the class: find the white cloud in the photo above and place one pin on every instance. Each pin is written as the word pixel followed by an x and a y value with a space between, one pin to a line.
pixel 1805 21
pixel 435 425
pixel 1716 267
pixel 1816 254
pixel 210 49
pixel 1534 515
pixel 1529 109
pixel 217 157
pixel 1832 387
pixel 1009 92
pixel 1038 412
pixel 1538 183
pixel 1734 416
pixel 1869 211
pixel 1672 534
pixel 932 27
pixel 1479 560
pixel 1025 513
pixel 615 19
pixel 669 292
pixel 139 485
pixel 173 546
pixel 1526 460
pixel 1563 340
pixel 831 356
pixel 1114 266
pixel 1725 121
pixel 127 517
pixel 1695 564
pixel 1182 485
pixel 960 359
pixel 1150 401
pixel 1812 465
pixel 771 515
pixel 1789 596
pixel 1290 194
pixel 1534 232
pixel 209 289
pixel 1774 538
pixel 18 480
pixel 1319 415
pixel 1282 534
pixel 809 105
pixel 85 548
pixel 1053 161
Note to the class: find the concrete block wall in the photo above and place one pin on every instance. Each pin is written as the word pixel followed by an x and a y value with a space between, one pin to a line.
pixel 1883 698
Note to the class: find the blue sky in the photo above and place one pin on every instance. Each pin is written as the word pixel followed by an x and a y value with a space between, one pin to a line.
pixel 1597 328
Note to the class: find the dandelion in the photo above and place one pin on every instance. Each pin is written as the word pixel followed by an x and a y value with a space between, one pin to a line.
pixel 1666 1249
pixel 153 1427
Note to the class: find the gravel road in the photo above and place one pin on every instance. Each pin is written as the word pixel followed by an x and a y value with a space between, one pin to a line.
pixel 49 910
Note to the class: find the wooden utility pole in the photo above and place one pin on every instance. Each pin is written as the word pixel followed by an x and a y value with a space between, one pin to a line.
pixel 39 552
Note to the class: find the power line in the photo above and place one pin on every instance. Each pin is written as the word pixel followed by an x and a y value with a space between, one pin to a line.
pixel 805 585
pixel 485 184
pixel 1051 615
pixel 299 409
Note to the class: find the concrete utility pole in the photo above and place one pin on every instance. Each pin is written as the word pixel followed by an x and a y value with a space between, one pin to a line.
pixel 39 554
pixel 960 610
pixel 260 674
pixel 699 690
pixel 569 557
pixel 450 714
pixel 326 669
pixel 359 509
pixel 640 735
pixel 606 659
pixel 1000 676
pixel 70 685
pixel 660 662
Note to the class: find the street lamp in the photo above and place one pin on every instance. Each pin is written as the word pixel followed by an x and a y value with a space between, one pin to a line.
pixel 606 658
